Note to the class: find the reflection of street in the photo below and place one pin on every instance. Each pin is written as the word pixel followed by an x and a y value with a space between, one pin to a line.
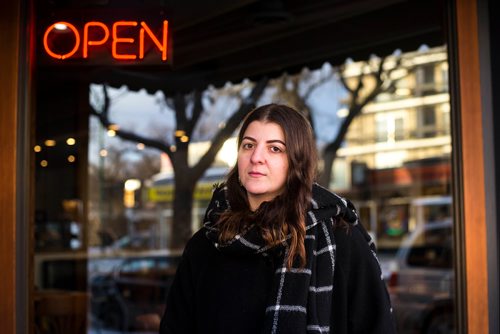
pixel 126 289
pixel 131 296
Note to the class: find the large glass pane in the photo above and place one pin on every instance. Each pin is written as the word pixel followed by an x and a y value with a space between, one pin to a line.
pixel 108 236
pixel 124 172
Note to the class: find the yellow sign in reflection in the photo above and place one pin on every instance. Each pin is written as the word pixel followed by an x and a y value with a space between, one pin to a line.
pixel 165 193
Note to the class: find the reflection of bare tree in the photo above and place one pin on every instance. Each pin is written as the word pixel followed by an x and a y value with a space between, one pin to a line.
pixel 360 94
pixel 120 166
pixel 219 105
pixel 374 78
pixel 187 117
pixel 288 89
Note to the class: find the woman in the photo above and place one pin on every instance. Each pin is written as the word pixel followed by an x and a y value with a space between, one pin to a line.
pixel 278 253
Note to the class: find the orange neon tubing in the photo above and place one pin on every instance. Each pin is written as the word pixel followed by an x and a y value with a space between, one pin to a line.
pixel 117 39
pixel 161 46
pixel 86 41
pixel 46 44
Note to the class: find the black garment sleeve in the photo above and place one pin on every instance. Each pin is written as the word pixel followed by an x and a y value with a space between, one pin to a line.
pixel 361 303
pixel 178 316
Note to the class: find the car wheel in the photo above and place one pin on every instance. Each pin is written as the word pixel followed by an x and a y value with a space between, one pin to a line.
pixel 441 323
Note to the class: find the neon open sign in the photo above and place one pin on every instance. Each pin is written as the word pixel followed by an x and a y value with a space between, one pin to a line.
pixel 126 38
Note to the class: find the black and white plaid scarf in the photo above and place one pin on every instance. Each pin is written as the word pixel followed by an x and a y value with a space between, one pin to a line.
pixel 301 298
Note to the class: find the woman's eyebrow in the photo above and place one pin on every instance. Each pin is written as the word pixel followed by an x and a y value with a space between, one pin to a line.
pixel 271 141
pixel 248 138
pixel 276 141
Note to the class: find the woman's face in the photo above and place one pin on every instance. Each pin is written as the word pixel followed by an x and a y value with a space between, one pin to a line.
pixel 262 162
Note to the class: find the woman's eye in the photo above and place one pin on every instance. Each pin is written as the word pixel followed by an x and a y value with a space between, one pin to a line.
pixel 276 149
pixel 247 146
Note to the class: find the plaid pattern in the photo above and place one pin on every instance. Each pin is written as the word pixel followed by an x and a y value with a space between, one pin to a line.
pixel 301 298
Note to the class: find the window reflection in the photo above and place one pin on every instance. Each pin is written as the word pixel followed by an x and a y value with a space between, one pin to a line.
pixel 109 233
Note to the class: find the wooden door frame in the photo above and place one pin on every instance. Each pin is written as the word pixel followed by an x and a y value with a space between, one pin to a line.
pixel 16 60
pixel 9 60
pixel 473 167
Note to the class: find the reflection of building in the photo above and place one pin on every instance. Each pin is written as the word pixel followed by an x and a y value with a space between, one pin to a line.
pixel 410 124
pixel 400 146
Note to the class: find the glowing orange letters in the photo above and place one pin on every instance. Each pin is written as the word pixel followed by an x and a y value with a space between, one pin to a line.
pixel 118 39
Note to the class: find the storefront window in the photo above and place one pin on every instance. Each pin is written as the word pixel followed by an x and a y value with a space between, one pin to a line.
pixel 105 229
pixel 124 171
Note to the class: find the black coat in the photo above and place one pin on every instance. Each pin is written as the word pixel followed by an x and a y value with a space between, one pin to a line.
pixel 216 293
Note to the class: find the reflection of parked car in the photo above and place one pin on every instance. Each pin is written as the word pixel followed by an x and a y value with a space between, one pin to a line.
pixel 136 242
pixel 140 241
pixel 422 282
pixel 138 286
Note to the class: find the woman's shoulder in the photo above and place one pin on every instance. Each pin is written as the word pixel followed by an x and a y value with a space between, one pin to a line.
pixel 198 245
pixel 326 203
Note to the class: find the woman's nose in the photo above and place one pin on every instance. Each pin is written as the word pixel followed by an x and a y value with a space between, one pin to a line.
pixel 257 156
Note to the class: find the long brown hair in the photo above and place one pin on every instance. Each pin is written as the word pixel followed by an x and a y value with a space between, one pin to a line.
pixel 285 214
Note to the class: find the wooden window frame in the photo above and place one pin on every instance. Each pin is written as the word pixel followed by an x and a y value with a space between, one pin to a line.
pixel 472 164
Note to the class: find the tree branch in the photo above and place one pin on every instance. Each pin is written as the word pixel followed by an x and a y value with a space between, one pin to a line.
pixel 343 82
pixel 197 111
pixel 383 82
pixel 180 111
pixel 103 117
pixel 231 125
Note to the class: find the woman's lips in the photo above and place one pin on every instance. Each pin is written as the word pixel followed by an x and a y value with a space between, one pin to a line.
pixel 255 174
